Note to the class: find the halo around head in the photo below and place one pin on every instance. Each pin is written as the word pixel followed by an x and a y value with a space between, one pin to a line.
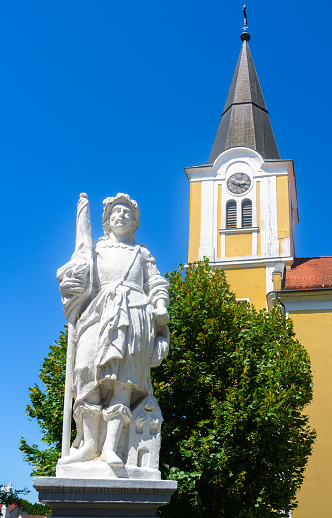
pixel 120 199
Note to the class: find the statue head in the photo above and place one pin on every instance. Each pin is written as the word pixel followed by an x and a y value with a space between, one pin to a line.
pixel 123 206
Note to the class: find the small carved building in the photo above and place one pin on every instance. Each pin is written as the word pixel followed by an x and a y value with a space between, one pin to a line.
pixel 144 434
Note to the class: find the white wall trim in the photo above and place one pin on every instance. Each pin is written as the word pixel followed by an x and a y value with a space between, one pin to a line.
pixel 243 230
pixel 253 262
pixel 207 216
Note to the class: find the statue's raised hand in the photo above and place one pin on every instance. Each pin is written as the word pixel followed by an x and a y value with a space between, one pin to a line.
pixel 75 280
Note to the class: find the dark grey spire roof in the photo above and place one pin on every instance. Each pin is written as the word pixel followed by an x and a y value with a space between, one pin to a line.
pixel 245 120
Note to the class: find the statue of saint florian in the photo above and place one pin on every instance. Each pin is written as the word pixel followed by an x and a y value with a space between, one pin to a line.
pixel 116 288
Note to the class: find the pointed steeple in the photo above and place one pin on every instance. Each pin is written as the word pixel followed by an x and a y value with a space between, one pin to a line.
pixel 245 120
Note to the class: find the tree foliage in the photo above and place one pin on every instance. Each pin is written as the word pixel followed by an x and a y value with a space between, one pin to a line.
pixel 36 509
pixel 232 393
pixel 47 409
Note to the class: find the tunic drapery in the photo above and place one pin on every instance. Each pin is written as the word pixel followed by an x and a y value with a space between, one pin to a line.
pixel 116 334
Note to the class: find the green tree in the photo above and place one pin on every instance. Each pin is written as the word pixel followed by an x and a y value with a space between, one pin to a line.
pixel 47 409
pixel 36 509
pixel 232 393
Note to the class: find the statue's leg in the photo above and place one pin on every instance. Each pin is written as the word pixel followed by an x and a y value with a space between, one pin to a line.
pixel 116 415
pixel 87 416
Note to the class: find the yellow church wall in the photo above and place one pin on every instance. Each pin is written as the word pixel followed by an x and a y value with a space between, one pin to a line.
pixel 314 330
pixel 283 211
pixel 194 221
pixel 237 245
pixel 276 281
pixel 258 208
pixel 249 283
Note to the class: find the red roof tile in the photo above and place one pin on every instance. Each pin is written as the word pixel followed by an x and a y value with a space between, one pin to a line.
pixel 309 273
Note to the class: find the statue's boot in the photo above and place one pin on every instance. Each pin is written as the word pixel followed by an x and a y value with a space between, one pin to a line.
pixel 87 419
pixel 116 416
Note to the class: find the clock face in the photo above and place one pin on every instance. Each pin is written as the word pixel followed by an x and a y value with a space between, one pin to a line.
pixel 238 183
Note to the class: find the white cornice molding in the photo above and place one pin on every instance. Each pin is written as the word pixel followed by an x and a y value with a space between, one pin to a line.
pixel 270 173
pixel 200 172
pixel 244 230
pixel 262 168
pixel 249 262
pixel 311 299
pixel 238 153
pixel 276 165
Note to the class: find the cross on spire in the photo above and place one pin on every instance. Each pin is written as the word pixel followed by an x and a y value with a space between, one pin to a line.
pixel 245 18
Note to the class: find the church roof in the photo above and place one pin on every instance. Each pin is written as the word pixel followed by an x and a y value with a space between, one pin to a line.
pixel 245 120
pixel 309 273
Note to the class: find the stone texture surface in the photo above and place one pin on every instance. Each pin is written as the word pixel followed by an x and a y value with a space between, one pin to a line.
pixel 103 497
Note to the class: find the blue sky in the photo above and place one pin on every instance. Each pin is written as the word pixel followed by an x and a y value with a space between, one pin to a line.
pixel 104 97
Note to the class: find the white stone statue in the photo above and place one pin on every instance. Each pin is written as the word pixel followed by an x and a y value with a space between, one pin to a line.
pixel 115 288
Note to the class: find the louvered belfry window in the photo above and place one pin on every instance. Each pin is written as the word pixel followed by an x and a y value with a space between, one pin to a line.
pixel 231 214
pixel 246 213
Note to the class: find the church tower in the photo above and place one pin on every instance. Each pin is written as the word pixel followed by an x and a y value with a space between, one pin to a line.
pixel 243 204
pixel 243 210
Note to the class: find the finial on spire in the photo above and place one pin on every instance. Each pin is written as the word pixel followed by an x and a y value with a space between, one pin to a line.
pixel 245 17
pixel 245 35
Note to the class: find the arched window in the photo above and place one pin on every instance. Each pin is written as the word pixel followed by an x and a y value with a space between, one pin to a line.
pixel 246 213
pixel 231 214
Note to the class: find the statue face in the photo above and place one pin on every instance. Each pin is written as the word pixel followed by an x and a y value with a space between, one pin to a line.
pixel 121 219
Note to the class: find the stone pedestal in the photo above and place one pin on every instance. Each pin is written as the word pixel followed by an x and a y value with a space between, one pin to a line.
pixel 107 498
